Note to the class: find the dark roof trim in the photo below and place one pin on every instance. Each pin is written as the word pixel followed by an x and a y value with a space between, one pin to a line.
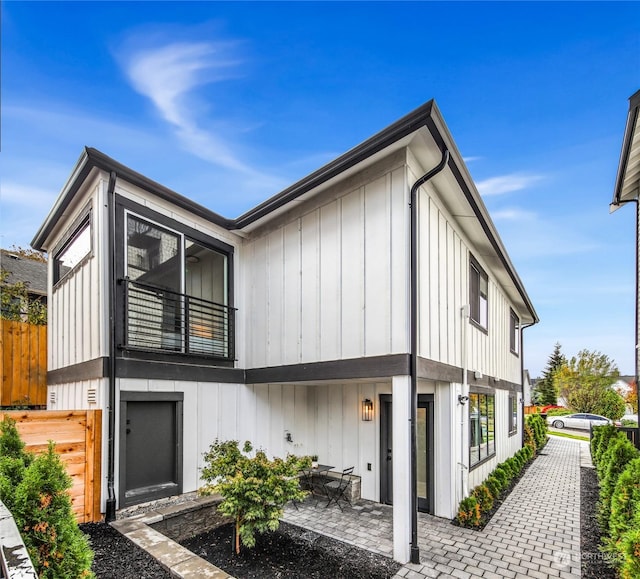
pixel 420 117
pixel 489 230
pixel 91 158
pixel 405 126
pixel 632 117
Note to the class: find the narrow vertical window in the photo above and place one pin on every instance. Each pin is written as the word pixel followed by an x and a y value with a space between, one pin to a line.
pixel 513 413
pixel 514 333
pixel 478 294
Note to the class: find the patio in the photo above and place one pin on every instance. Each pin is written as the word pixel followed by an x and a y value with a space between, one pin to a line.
pixel 535 533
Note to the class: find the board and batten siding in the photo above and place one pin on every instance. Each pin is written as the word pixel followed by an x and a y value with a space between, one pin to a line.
pixel 320 419
pixel 77 307
pixel 331 283
pixel 444 257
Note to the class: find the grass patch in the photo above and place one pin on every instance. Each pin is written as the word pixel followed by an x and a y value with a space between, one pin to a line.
pixel 568 435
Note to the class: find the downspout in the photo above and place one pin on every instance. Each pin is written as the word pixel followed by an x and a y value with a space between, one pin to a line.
pixel 464 393
pixel 522 329
pixel 413 369
pixel 110 513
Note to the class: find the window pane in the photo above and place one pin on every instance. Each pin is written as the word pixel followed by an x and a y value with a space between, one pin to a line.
pixel 153 255
pixel 491 426
pixel 75 251
pixel 474 430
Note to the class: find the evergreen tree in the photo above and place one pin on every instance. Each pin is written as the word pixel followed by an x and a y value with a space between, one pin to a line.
pixel 546 391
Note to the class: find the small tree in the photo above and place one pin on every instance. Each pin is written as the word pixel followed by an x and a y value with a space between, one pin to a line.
pixel 545 390
pixel 14 460
pixel 254 489
pixel 43 513
pixel 586 384
pixel 16 305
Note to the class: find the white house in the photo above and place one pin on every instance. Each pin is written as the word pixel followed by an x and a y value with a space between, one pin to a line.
pixel 377 281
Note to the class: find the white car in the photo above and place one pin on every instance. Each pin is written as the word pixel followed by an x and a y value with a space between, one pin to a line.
pixel 581 421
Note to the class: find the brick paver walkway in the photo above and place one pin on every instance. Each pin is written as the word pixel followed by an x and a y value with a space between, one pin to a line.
pixel 535 533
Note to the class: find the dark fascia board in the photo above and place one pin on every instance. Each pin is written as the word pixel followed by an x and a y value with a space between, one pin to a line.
pixel 632 117
pixel 426 115
pixel 91 158
pixel 398 130
pixel 441 135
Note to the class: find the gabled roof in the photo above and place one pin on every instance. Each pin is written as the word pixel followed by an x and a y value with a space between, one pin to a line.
pixel 627 187
pixel 423 125
pixel 22 269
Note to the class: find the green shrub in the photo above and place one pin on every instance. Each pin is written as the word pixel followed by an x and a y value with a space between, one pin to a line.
pixel 494 485
pixel 484 497
pixel 503 474
pixel 469 514
pixel 620 452
pixel 43 513
pixel 629 561
pixel 539 427
pixel 604 452
pixel 512 465
pixel 529 438
pixel 625 504
pixel 600 440
pixel 14 460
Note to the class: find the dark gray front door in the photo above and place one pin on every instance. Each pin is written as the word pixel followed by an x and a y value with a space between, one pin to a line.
pixel 151 449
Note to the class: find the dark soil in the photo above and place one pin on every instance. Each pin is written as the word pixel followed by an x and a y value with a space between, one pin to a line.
pixel 117 557
pixel 291 552
pixel 594 563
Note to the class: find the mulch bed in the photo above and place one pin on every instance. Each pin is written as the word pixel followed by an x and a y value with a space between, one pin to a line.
pixel 118 557
pixel 290 552
pixel 594 563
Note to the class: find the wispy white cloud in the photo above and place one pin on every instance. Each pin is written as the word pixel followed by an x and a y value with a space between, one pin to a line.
pixel 169 75
pixel 471 159
pixel 512 214
pixel 507 183
pixel 12 193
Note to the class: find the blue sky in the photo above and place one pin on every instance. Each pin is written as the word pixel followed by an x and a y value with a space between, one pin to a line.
pixel 228 103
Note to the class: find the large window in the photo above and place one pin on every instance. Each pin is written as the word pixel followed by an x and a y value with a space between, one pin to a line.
pixel 74 249
pixel 514 333
pixel 177 298
pixel 482 424
pixel 478 294
pixel 513 413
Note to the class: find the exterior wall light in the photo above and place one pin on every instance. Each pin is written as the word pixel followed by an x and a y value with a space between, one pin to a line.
pixel 367 410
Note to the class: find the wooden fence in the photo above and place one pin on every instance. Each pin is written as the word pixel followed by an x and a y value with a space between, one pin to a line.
pixel 23 364
pixel 78 438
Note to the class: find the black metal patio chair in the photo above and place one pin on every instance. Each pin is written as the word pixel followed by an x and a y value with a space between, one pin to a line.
pixel 336 490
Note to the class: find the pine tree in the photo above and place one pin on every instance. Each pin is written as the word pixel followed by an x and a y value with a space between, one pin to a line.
pixel 546 391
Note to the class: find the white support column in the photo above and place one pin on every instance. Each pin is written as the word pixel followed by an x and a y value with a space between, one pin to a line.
pixel 401 389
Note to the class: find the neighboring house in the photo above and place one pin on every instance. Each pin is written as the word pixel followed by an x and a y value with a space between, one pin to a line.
pixel 287 326
pixel 627 190
pixel 31 272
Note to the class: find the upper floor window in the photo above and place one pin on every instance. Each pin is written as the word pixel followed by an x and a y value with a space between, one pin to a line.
pixel 514 333
pixel 478 294
pixel 177 297
pixel 73 250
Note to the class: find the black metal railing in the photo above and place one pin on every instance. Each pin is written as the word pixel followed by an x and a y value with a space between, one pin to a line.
pixel 159 319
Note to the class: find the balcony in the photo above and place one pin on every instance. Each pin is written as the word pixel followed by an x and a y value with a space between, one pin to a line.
pixel 161 320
